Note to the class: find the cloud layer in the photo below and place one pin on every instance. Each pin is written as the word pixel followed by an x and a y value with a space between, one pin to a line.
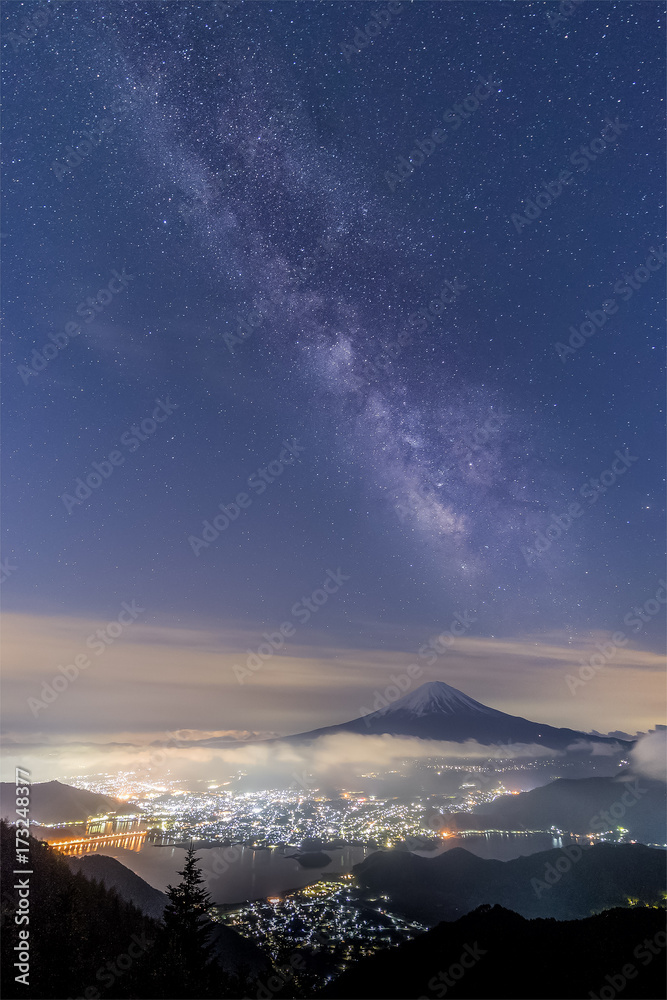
pixel 155 680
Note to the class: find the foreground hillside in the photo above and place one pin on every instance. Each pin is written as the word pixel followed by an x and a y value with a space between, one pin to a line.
pixel 86 941
pixel 564 883
pixel 237 953
pixel 493 952
pixel 76 927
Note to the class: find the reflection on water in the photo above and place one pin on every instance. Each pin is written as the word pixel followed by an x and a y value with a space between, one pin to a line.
pixel 240 873
pixel 234 874
pixel 501 846
pixel 101 844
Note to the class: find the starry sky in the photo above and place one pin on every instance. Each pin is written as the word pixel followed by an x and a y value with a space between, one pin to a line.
pixel 233 217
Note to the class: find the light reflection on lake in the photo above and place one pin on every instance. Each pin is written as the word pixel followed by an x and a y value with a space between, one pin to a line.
pixel 251 874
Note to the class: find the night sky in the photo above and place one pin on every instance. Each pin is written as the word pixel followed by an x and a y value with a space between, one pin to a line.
pixel 243 166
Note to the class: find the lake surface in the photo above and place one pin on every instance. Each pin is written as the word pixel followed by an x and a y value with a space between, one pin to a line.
pixel 502 846
pixel 239 873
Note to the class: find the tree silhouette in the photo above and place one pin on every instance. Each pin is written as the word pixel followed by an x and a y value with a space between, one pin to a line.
pixel 190 965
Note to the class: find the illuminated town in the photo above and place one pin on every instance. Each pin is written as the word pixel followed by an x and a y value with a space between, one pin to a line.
pixel 289 816
pixel 174 812
pixel 335 923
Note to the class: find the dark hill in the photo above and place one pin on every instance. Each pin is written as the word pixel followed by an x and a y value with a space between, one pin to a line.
pixel 81 930
pixel 578 805
pixel 53 802
pixel 236 952
pixel 546 884
pixel 116 876
pixel 493 952
pixel 76 926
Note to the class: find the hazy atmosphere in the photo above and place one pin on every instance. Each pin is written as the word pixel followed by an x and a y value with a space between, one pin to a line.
pixel 333 489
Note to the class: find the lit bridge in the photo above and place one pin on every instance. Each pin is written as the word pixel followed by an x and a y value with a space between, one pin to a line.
pixel 132 841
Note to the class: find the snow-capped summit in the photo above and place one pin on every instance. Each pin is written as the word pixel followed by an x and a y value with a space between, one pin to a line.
pixel 432 698
pixel 436 711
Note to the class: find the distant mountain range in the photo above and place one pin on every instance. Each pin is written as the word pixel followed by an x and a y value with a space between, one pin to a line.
pixel 493 952
pixel 436 711
pixel 577 805
pixel 54 802
pixel 565 883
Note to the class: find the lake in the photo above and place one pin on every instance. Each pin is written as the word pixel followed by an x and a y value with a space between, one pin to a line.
pixel 240 873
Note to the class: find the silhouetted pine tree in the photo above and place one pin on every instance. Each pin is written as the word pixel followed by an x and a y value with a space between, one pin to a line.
pixel 190 966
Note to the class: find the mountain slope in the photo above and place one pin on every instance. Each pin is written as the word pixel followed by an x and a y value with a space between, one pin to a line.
pixel 567 883
pixel 76 927
pixel 436 711
pixel 54 802
pixel 127 884
pixel 236 952
pixel 493 952
pixel 578 805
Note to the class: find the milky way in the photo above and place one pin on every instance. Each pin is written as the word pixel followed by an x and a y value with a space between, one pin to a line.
pixel 292 225
pixel 285 286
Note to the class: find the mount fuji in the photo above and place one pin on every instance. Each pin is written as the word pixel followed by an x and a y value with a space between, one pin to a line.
pixel 436 711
